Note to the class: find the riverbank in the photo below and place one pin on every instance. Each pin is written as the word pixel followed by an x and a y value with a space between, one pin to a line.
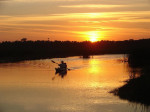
pixel 137 87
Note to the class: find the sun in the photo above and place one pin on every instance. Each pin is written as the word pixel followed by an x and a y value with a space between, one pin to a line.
pixel 93 39
pixel 93 36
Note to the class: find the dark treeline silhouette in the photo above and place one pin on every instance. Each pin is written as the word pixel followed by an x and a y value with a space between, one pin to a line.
pixel 137 87
pixel 26 50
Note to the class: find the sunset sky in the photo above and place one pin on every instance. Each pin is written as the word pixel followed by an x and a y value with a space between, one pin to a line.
pixel 75 20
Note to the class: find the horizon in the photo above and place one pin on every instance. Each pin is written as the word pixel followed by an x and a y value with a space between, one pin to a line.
pixel 75 41
pixel 74 20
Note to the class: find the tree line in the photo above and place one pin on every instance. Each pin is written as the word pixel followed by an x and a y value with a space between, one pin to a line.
pixel 26 50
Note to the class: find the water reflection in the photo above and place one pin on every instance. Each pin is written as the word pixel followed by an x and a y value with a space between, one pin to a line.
pixel 95 66
pixel 62 74
pixel 86 56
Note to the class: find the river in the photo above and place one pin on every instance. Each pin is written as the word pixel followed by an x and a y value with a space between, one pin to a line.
pixel 33 86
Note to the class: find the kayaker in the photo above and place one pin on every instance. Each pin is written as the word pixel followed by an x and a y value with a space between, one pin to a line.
pixel 63 65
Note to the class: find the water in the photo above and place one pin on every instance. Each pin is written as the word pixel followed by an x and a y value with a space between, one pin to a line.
pixel 32 86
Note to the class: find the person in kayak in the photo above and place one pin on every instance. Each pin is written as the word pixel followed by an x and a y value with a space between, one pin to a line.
pixel 63 65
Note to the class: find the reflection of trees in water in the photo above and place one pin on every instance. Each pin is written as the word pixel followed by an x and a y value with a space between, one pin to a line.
pixel 137 87
pixel 139 108
pixel 134 73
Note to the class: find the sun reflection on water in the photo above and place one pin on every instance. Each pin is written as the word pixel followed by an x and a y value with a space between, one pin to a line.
pixel 95 66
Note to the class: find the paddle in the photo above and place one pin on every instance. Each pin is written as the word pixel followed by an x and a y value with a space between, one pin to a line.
pixel 58 64
pixel 54 62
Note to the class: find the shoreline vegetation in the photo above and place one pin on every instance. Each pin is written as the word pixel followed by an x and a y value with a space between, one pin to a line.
pixel 31 50
pixel 137 87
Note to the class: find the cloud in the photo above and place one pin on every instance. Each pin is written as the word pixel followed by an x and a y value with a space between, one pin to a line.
pixel 82 15
pixel 92 6
pixel 2 2
pixel 47 7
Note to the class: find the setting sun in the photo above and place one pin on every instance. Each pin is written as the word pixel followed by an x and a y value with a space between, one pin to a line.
pixel 93 36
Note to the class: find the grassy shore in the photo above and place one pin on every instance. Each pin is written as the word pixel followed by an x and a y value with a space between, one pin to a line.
pixel 137 89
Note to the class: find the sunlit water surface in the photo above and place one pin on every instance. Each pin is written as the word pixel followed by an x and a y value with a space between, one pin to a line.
pixel 32 86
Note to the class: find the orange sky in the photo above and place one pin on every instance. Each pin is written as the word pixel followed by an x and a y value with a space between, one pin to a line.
pixel 76 20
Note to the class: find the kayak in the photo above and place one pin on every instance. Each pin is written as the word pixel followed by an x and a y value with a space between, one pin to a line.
pixel 61 70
